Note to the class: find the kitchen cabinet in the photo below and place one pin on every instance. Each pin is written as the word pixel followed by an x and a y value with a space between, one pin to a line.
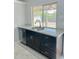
pixel 48 46
pixel 42 43
pixel 34 41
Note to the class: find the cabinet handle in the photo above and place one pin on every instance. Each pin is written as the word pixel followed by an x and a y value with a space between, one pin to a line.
pixel 46 44
pixel 47 37
pixel 23 30
pixel 31 37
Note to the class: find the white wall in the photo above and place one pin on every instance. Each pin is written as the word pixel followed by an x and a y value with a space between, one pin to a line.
pixel 28 14
pixel 60 15
pixel 19 13
pixel 39 2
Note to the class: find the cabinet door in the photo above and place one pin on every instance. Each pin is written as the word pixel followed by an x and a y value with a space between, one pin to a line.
pixel 20 34
pixel 23 36
pixel 52 43
pixel 28 37
pixel 34 40
pixel 48 42
pixel 52 47
pixel 48 46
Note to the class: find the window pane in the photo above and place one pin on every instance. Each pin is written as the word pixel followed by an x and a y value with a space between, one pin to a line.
pixel 50 15
pixel 37 15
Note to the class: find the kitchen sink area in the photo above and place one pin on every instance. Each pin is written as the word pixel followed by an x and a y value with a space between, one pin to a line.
pixel 38 28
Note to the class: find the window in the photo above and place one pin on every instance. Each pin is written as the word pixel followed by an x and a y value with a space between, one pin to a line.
pixel 37 15
pixel 46 14
pixel 50 15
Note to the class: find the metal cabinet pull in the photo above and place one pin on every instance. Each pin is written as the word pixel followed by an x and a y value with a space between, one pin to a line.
pixel 31 37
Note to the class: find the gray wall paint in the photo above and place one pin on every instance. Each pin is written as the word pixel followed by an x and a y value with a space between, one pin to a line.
pixel 60 15
pixel 39 2
pixel 28 14
pixel 19 13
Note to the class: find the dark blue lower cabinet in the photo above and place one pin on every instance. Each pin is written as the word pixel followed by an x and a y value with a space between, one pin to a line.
pixel 35 42
pixel 49 53
pixel 48 47
pixel 42 43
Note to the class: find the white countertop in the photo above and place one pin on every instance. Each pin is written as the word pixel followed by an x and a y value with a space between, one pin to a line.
pixel 46 31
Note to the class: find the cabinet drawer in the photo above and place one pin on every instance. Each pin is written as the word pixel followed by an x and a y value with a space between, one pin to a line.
pixel 49 53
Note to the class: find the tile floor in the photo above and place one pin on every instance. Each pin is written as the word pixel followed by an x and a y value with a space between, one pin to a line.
pixel 24 52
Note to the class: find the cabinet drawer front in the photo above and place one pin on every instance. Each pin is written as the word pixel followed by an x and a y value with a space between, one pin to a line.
pixel 49 53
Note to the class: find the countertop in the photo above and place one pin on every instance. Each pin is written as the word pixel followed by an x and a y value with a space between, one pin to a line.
pixel 46 31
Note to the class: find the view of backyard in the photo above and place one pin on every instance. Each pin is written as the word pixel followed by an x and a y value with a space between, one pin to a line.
pixel 46 14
